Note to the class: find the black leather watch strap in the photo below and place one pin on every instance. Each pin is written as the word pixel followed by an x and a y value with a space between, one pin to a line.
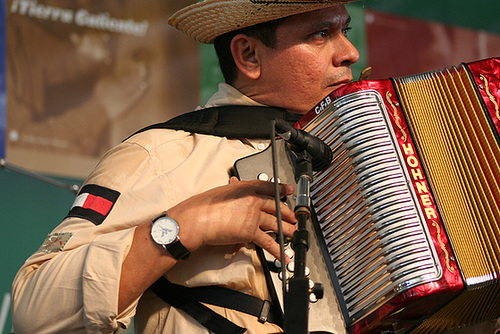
pixel 178 251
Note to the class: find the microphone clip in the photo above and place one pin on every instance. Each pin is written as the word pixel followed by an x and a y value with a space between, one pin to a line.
pixel 299 140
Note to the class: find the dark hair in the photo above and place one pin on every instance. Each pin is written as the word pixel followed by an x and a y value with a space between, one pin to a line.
pixel 264 32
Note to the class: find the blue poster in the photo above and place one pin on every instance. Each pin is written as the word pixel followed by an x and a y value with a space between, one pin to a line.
pixel 2 79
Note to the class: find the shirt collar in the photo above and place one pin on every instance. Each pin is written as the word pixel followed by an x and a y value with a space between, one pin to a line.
pixel 228 95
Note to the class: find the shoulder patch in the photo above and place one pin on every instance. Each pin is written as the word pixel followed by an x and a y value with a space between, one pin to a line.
pixel 93 203
pixel 55 242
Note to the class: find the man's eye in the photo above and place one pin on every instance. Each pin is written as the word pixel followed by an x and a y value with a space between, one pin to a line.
pixel 321 34
pixel 346 30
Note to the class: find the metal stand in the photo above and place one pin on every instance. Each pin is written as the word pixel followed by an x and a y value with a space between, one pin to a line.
pixel 297 301
pixel 70 187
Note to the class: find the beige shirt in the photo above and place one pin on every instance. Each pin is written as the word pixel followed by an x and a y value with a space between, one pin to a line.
pixel 73 287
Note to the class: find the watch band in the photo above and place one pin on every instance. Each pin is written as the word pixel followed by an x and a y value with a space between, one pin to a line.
pixel 177 250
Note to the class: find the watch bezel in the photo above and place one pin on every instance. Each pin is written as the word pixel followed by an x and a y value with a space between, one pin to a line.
pixel 172 234
pixel 175 247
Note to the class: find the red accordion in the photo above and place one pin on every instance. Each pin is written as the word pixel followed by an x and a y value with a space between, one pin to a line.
pixel 408 213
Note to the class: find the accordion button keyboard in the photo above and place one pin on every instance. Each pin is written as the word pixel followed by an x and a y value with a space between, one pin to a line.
pixel 290 267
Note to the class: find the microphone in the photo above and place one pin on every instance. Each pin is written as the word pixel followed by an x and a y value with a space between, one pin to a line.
pixel 300 140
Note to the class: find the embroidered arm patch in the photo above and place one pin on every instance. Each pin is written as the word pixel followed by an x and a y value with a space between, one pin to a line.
pixel 94 203
pixel 55 242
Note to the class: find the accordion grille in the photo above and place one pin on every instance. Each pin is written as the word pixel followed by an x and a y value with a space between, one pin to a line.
pixel 459 148
pixel 372 229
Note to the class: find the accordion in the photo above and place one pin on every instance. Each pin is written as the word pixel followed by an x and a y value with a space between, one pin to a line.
pixel 408 213
pixel 405 235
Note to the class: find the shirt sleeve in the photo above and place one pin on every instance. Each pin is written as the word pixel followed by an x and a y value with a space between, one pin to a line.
pixel 74 291
pixel 71 283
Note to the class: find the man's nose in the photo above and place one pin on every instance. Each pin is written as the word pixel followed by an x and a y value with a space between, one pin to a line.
pixel 345 53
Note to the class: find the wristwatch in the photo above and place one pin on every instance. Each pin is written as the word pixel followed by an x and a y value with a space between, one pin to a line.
pixel 165 232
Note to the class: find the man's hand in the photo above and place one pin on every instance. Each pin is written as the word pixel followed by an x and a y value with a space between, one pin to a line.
pixel 232 214
pixel 236 213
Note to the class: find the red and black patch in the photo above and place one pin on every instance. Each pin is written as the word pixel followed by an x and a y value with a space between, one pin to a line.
pixel 94 203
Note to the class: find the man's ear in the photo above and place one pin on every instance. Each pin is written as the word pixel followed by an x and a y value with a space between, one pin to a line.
pixel 246 55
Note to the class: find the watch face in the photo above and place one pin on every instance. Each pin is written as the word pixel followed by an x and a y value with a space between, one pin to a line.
pixel 164 230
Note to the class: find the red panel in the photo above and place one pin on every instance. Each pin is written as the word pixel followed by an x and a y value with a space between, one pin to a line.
pixel 399 46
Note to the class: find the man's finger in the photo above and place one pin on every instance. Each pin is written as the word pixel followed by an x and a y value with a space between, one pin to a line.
pixel 287 214
pixel 270 223
pixel 267 188
pixel 268 243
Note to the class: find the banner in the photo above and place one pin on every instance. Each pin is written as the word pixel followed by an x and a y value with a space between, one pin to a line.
pixel 2 80
pixel 84 75
pixel 399 45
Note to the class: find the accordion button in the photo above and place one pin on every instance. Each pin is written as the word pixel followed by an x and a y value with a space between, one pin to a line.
pixel 272 235
pixel 263 177
pixel 287 274
pixel 317 291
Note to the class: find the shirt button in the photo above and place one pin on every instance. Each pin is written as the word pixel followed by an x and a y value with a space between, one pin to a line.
pixel 261 146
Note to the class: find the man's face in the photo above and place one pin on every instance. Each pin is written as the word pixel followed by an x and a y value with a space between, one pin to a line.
pixel 311 59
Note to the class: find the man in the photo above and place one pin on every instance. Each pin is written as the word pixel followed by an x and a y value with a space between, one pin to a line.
pixel 93 271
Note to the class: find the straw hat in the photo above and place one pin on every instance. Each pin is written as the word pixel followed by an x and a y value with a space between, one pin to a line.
pixel 206 20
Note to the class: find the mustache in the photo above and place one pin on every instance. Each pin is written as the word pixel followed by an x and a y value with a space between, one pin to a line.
pixel 344 76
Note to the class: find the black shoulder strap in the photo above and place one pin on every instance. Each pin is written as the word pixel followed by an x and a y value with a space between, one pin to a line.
pixel 231 121
pixel 190 301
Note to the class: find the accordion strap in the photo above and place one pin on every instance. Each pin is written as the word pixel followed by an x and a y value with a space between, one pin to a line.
pixel 231 121
pixel 189 300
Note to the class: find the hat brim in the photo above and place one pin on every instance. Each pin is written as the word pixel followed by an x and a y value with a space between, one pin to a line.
pixel 206 20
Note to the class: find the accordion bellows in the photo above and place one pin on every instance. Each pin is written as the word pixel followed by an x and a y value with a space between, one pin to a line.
pixel 408 213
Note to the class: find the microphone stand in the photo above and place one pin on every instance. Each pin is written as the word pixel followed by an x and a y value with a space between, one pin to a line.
pixel 297 301
pixel 73 188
